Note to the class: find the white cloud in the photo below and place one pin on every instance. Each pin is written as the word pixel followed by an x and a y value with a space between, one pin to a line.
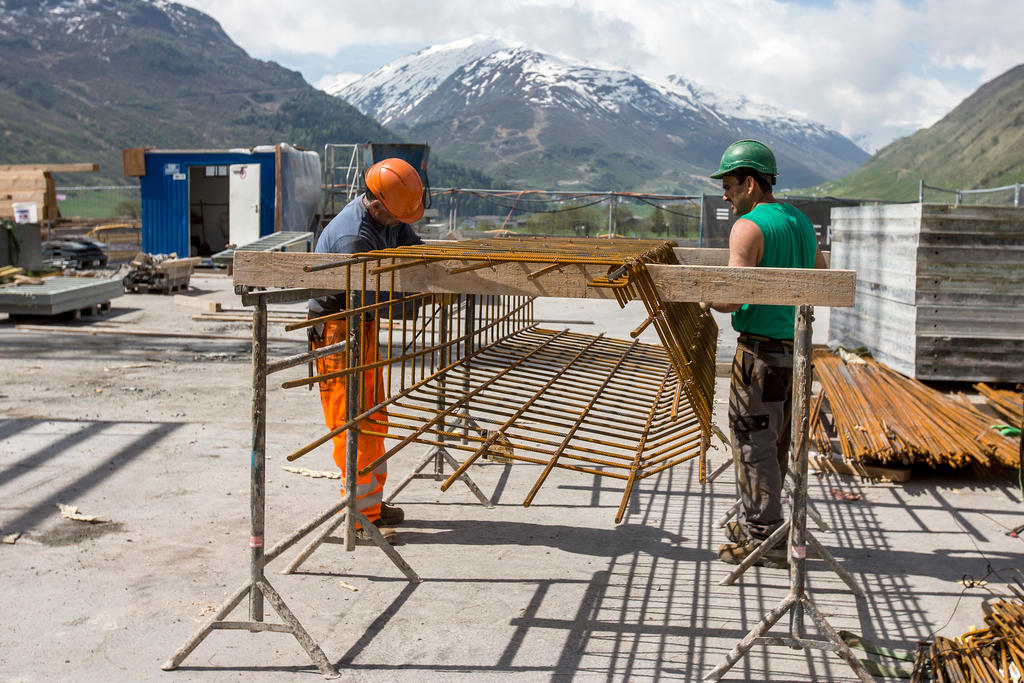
pixel 872 69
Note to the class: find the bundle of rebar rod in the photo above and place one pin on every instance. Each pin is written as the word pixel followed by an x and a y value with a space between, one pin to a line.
pixel 474 373
pixel 884 417
pixel 993 654
pixel 1008 404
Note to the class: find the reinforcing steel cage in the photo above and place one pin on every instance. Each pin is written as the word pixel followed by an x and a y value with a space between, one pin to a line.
pixel 476 374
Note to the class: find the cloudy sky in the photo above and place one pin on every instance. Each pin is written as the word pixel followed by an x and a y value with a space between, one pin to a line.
pixel 872 69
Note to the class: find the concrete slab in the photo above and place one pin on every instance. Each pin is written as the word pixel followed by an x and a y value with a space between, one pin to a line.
pixel 152 434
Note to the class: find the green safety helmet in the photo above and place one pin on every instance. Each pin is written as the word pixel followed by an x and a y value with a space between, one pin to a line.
pixel 747 154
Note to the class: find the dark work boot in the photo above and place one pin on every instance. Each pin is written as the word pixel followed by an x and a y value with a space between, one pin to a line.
pixel 735 553
pixel 390 515
pixel 735 533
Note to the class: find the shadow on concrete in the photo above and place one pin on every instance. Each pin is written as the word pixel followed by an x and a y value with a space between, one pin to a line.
pixel 90 476
pixel 625 538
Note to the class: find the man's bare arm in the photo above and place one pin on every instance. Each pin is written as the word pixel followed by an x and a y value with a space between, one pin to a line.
pixel 819 260
pixel 746 246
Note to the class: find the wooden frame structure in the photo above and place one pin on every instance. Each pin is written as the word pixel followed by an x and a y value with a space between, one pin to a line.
pixel 34 183
pixel 702 277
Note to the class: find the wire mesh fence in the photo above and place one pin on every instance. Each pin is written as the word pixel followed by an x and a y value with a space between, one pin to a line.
pixel 490 213
pixel 99 202
pixel 1006 195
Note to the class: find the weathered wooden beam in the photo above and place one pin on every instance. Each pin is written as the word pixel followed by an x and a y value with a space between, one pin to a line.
pixel 51 168
pixel 780 286
pixel 719 284
pixel 701 256
pixel 828 464
pixel 707 256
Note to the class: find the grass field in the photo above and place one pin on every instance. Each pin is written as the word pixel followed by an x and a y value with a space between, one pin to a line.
pixel 99 202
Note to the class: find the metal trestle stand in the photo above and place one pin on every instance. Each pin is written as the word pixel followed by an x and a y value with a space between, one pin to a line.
pixel 797 603
pixel 258 587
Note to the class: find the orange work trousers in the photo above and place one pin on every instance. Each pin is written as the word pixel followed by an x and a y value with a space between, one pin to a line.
pixel 369 487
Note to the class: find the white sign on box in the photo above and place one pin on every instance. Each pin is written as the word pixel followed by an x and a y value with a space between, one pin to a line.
pixel 25 212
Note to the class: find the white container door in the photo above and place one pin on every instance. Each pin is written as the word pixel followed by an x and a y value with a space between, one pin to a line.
pixel 244 204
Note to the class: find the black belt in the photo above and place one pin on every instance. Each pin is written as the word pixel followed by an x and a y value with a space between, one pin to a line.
pixel 764 341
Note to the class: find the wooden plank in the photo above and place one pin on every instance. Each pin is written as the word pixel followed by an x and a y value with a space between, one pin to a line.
pixel 674 283
pixel 701 256
pixel 133 161
pixel 779 286
pixel 826 464
pixel 23 195
pixel 205 305
pixel 706 256
pixel 22 181
pixel 52 168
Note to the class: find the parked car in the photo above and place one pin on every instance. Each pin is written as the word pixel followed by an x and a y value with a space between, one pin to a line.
pixel 79 253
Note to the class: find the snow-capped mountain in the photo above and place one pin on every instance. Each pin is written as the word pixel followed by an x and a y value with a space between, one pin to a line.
pixel 535 119
pixel 398 86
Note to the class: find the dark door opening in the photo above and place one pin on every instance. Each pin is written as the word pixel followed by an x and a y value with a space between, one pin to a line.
pixel 208 189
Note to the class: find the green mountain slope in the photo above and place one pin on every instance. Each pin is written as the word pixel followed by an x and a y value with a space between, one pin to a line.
pixel 978 144
pixel 83 80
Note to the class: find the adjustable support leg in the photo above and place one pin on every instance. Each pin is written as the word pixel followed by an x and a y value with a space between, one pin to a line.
pixel 440 456
pixel 797 603
pixel 258 588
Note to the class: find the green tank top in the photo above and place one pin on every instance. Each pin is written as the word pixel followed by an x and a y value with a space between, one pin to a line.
pixel 789 242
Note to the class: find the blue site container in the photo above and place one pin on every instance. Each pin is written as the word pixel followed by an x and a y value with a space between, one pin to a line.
pixel 169 218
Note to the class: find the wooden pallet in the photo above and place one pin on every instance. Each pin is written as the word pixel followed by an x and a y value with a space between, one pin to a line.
pixel 825 463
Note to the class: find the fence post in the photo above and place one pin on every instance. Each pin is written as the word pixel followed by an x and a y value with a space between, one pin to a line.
pixel 1016 194
pixel 700 226
pixel 611 214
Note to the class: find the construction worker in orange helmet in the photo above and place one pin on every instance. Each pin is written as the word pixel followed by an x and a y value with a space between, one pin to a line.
pixel 379 218
pixel 398 188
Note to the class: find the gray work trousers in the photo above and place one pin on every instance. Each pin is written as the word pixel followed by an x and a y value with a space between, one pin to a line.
pixel 760 412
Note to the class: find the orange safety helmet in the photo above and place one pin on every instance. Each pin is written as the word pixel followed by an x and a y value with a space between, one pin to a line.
pixel 399 188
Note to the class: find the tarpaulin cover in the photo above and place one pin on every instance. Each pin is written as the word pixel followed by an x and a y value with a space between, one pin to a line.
pixel 300 187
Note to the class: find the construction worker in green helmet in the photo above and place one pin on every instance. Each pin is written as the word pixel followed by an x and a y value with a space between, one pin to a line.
pixel 772 235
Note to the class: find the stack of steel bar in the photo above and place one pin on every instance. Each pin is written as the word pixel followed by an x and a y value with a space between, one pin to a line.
pixel 475 372
pixel 995 653
pixel 1009 404
pixel 881 416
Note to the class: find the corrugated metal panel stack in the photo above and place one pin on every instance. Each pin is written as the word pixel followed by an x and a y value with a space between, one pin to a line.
pixel 56 295
pixel 940 289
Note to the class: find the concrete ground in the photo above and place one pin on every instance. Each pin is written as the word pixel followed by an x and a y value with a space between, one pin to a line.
pixel 152 435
